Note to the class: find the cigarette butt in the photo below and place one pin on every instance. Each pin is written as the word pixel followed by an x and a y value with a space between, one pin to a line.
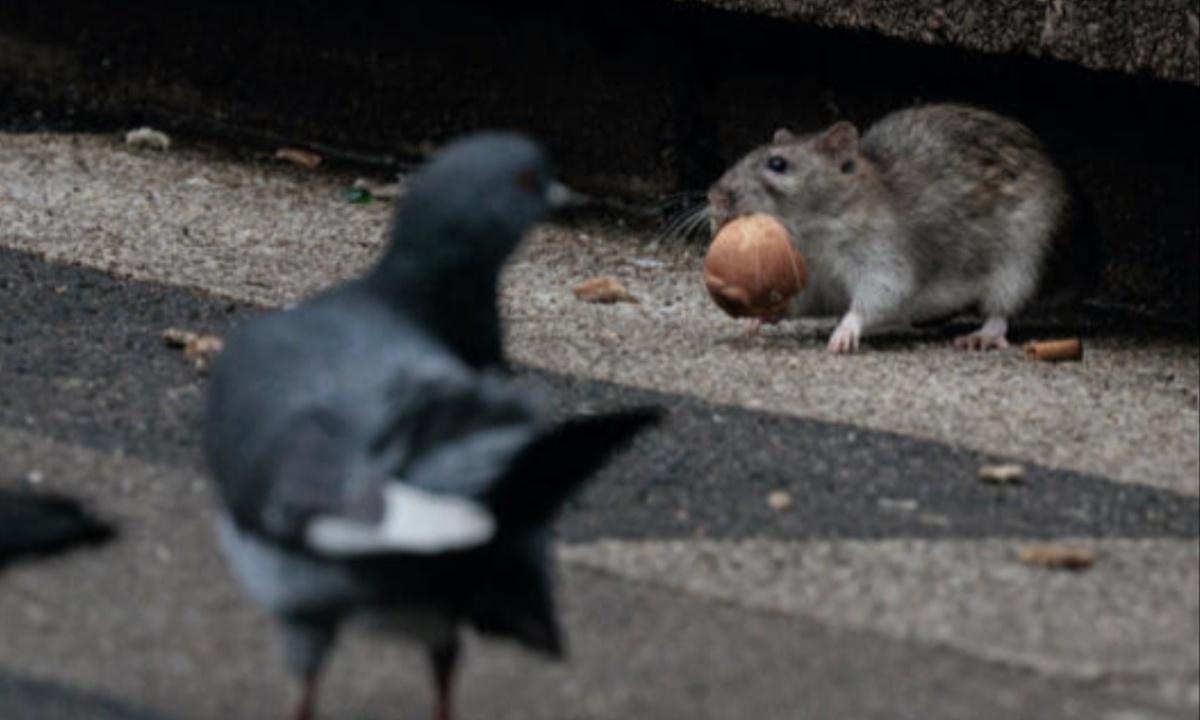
pixel 296 156
pixel 1070 350
pixel 1057 557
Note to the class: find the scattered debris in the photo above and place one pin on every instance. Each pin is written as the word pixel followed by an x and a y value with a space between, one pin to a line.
pixel 356 196
pixel 1010 474
pixel 780 500
pixel 1057 557
pixel 35 477
pixel 149 138
pixel 646 263
pixel 1070 350
pixel 899 504
pixel 603 290
pixel 177 338
pixel 380 191
pixel 203 349
pixel 304 158
pixel 608 337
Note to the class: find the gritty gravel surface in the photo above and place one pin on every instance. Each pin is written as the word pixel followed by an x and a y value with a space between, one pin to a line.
pixel 268 234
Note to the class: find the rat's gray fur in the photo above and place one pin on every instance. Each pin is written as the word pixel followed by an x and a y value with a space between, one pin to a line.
pixel 936 210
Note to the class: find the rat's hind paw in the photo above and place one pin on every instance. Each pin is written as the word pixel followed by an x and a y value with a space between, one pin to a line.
pixel 989 337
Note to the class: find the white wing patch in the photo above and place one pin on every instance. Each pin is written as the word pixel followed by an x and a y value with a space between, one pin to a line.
pixel 414 520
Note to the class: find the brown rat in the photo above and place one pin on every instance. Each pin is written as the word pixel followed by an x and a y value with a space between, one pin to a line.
pixel 935 210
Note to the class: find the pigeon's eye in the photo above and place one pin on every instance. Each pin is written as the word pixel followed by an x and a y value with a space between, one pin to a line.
pixel 529 181
pixel 778 164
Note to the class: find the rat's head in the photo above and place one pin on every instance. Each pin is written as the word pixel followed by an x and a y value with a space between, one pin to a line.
pixel 790 178
pixel 475 200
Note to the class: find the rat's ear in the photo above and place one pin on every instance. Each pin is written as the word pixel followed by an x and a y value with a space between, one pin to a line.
pixel 839 143
pixel 783 136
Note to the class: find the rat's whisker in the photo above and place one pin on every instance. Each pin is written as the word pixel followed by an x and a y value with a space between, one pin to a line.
pixel 689 222
pixel 699 222
pixel 671 227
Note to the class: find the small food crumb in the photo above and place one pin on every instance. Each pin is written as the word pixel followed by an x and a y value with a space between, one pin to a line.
pixel 177 338
pixel 608 337
pixel 605 290
pixel 145 137
pixel 1010 474
pixel 203 349
pixel 380 191
pixel 1057 557
pixel 779 500
pixel 304 158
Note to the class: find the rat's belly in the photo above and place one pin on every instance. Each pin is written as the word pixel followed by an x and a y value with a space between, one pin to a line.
pixel 819 299
pixel 936 301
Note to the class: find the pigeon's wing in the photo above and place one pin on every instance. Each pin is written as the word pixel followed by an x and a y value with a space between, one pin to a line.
pixel 451 434
pixel 393 466
pixel 32 525
pixel 464 431
pixel 321 487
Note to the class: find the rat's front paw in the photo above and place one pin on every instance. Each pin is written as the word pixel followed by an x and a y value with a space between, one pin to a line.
pixel 845 338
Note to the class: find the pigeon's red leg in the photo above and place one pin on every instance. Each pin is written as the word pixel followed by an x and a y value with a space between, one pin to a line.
pixel 307 707
pixel 445 660
pixel 754 327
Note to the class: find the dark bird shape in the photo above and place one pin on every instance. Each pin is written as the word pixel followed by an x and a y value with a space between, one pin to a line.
pixel 372 454
pixel 34 526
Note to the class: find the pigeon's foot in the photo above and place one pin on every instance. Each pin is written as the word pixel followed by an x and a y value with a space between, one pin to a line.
pixel 307 707
pixel 445 662
pixel 989 337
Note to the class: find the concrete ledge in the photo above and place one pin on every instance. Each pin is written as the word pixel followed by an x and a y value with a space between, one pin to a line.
pixel 1158 38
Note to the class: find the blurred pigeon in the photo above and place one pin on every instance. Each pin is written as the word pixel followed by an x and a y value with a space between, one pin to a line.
pixel 41 525
pixel 372 454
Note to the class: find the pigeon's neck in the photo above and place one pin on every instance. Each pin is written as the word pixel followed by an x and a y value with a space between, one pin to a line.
pixel 457 306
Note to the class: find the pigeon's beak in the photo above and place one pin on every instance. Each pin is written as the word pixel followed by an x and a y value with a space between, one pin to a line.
pixel 559 197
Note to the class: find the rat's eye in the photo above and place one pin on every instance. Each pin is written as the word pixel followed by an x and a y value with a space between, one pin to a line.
pixel 778 164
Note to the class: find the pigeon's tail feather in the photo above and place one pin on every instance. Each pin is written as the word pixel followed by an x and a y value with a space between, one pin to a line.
pixel 32 525
pixel 555 466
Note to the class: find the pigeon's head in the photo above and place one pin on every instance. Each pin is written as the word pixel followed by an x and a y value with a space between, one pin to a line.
pixel 475 200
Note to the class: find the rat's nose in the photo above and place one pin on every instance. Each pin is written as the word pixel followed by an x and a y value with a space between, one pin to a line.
pixel 720 207
pixel 721 200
